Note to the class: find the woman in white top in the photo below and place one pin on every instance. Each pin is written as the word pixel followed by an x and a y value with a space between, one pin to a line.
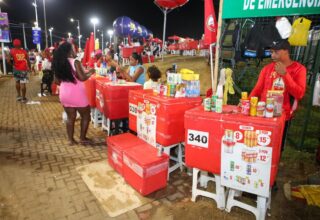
pixel 154 75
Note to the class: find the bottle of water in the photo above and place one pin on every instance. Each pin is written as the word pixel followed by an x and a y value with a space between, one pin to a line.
pixel 114 77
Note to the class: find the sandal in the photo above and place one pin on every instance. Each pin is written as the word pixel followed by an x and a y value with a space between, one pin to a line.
pixel 24 100
pixel 72 142
pixel 86 141
pixel 19 98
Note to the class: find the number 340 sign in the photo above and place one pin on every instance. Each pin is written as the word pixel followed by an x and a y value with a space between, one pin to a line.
pixel 198 138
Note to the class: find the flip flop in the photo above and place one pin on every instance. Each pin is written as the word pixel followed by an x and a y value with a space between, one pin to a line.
pixel 86 141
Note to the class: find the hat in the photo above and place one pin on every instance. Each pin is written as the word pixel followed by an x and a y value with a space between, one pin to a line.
pixel 98 52
pixel 16 43
pixel 280 45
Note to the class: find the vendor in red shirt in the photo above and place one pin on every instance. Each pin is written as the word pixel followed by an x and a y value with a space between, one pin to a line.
pixel 285 75
pixel 21 66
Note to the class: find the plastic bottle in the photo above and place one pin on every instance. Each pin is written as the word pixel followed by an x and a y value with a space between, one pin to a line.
pixel 114 77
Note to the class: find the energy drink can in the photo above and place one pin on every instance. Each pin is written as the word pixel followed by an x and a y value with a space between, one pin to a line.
pixel 219 105
pixel 231 165
pixel 213 103
pixel 249 169
pixel 172 90
pixel 207 104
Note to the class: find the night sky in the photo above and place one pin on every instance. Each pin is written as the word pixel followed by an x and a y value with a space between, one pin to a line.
pixel 186 21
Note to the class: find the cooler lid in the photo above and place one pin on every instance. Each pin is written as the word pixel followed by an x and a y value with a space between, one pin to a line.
pixel 230 113
pixel 145 155
pixel 126 84
pixel 171 100
pixel 125 140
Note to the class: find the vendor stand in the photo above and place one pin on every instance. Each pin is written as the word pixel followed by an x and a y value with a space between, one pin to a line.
pixel 242 152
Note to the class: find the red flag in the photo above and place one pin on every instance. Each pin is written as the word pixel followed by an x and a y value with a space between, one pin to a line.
pixel 210 23
pixel 85 55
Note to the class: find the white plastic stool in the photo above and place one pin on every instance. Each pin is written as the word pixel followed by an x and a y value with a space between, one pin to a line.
pixel 219 196
pixel 106 124
pixel 96 117
pixel 178 160
pixel 262 204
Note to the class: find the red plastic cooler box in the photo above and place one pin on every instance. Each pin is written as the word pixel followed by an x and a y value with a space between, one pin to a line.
pixel 116 99
pixel 135 96
pixel 117 145
pixel 100 84
pixel 90 86
pixel 208 156
pixel 170 117
pixel 144 170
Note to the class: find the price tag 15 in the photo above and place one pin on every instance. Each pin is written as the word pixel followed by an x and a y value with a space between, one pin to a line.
pixel 198 138
pixel 133 109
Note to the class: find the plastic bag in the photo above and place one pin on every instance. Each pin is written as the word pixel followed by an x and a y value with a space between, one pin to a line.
pixel 284 27
pixel 300 32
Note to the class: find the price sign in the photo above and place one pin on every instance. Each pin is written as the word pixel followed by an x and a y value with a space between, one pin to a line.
pixel 198 138
pixel 264 140
pixel 238 135
pixel 133 109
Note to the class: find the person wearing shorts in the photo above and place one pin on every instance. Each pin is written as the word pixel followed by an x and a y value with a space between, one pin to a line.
pixel 21 66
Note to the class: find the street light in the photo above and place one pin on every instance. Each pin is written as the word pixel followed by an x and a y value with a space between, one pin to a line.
pixel 110 33
pixel 36 24
pixel 94 21
pixel 102 41
pixel 69 35
pixel 78 27
pixel 45 22
pixel 50 31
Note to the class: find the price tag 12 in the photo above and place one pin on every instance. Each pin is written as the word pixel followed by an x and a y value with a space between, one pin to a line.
pixel 198 138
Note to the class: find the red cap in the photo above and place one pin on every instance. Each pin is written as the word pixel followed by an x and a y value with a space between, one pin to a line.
pixel 16 43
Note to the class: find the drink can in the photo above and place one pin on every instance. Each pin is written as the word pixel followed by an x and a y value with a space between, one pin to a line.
pixel 248 169
pixel 207 104
pixel 245 106
pixel 219 105
pixel 253 106
pixel 269 108
pixel 213 103
pixel 168 90
pixel 261 109
pixel 244 95
pixel 231 165
pixel 172 90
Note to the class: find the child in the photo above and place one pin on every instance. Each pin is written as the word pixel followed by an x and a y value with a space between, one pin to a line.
pixel 154 75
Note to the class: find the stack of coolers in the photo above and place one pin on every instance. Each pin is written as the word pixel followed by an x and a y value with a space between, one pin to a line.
pixel 138 162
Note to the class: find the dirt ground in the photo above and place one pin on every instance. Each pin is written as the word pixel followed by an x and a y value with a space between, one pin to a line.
pixel 38 179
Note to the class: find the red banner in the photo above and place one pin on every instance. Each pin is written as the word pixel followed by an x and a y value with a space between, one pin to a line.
pixel 210 23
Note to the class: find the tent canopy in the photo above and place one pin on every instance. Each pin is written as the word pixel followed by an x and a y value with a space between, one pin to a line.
pixel 174 37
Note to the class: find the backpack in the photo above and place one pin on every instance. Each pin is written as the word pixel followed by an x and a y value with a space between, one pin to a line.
pixel 258 39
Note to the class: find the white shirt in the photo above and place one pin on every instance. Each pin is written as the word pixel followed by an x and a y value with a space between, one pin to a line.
pixel 150 84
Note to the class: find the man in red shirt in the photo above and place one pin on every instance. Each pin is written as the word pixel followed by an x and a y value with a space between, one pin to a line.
pixel 21 66
pixel 285 75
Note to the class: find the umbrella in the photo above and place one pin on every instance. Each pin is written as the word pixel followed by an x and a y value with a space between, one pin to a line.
pixel 156 40
pixel 90 51
pixel 174 37
pixel 167 6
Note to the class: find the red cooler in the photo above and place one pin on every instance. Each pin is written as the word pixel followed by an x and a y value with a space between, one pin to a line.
pixel 135 96
pixel 100 84
pixel 144 170
pixel 117 145
pixel 116 99
pixel 170 117
pixel 204 132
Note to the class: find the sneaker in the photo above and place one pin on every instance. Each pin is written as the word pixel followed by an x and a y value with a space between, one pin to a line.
pixel 24 100
pixel 19 98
